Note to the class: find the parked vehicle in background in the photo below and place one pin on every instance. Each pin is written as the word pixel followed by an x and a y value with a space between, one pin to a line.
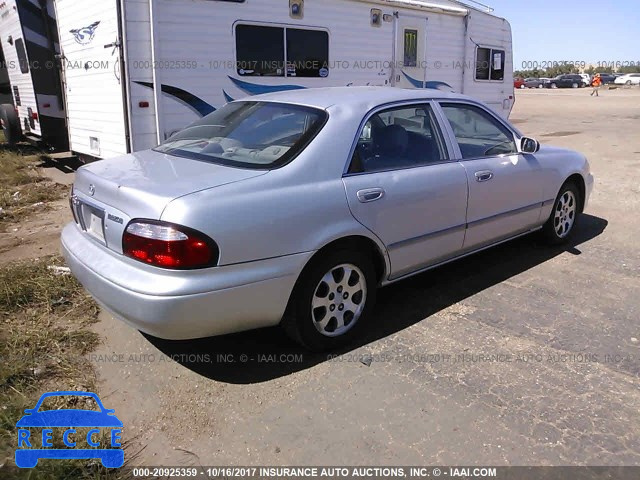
pixel 162 74
pixel 570 80
pixel 29 44
pixel 586 79
pixel 519 83
pixel 534 83
pixel 628 79
pixel 607 78
pixel 371 185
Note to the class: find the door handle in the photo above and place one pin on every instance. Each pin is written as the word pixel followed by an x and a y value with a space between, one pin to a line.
pixel 370 195
pixel 484 176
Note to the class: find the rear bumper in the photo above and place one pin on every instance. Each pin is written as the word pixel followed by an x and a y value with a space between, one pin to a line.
pixel 179 305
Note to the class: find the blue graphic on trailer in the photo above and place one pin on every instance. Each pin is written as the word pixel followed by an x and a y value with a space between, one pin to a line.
pixel 257 89
pixel 431 84
pixel 189 99
pixel 203 108
pixel 31 449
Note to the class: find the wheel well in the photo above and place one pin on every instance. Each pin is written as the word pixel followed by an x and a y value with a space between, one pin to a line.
pixel 361 244
pixel 578 181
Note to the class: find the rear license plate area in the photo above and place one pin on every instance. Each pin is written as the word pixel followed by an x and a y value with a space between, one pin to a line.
pixel 92 221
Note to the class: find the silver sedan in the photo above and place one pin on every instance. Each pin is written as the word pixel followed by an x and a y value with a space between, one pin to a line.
pixel 293 208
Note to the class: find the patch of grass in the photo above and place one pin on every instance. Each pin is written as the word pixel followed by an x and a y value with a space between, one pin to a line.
pixel 23 189
pixel 44 338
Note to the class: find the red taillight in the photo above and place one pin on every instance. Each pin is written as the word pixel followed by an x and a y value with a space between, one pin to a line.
pixel 168 246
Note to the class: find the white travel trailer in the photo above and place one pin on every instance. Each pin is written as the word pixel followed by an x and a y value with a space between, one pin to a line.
pixel 136 71
pixel 29 41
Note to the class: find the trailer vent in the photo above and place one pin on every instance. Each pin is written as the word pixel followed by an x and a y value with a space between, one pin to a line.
pixel 16 96
pixel 296 9
pixel 376 17
pixel 94 145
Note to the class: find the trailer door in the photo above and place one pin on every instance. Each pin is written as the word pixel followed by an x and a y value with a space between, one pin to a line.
pixel 411 51
pixel 93 74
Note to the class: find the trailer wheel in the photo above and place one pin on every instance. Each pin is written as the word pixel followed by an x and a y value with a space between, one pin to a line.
pixel 10 124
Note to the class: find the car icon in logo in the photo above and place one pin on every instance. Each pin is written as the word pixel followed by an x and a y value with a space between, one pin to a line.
pixel 31 448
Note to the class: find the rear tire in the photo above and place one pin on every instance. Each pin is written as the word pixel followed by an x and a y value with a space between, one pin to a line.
pixel 554 86
pixel 332 301
pixel 10 124
pixel 564 216
pixel 574 85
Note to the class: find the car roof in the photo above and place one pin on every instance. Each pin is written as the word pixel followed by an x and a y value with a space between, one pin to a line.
pixel 355 97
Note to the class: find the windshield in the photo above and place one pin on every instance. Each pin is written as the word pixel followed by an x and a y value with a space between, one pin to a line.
pixel 248 134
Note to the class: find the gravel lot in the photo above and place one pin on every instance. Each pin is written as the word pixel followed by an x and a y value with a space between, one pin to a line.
pixel 521 355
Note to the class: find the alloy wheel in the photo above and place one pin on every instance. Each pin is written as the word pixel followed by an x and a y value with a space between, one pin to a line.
pixel 338 300
pixel 565 214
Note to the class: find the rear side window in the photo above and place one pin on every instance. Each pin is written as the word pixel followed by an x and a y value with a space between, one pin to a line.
pixel 22 56
pixel 397 138
pixel 260 51
pixel 490 64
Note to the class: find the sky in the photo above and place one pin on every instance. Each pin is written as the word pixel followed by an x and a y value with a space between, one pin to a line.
pixel 582 30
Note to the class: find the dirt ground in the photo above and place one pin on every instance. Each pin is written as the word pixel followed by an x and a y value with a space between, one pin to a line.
pixel 521 355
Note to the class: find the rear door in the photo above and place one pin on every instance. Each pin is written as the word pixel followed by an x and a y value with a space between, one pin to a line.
pixel 89 39
pixel 505 186
pixel 402 186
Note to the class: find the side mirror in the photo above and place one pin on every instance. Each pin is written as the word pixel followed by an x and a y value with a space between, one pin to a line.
pixel 529 145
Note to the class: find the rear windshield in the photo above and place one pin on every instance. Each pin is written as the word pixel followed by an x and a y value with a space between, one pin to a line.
pixel 261 135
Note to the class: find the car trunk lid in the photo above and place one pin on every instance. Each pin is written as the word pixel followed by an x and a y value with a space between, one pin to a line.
pixel 110 193
pixel 143 183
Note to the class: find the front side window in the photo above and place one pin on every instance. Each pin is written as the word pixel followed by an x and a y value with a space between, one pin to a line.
pixel 22 56
pixel 478 133
pixel 260 51
pixel 398 138
pixel 259 135
pixel 490 64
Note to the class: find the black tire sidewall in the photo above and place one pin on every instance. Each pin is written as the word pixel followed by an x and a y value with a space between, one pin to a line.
pixel 299 322
pixel 549 230
pixel 11 126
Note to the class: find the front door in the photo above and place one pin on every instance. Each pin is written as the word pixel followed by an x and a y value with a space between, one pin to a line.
pixel 505 187
pixel 402 186
pixel 410 69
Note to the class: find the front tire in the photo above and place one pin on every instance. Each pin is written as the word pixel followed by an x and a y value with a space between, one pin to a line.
pixel 554 86
pixel 332 301
pixel 574 85
pixel 564 216
pixel 10 124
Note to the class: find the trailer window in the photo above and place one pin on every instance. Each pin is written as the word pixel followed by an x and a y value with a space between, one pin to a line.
pixel 410 48
pixel 490 64
pixel 307 53
pixel 22 56
pixel 260 51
